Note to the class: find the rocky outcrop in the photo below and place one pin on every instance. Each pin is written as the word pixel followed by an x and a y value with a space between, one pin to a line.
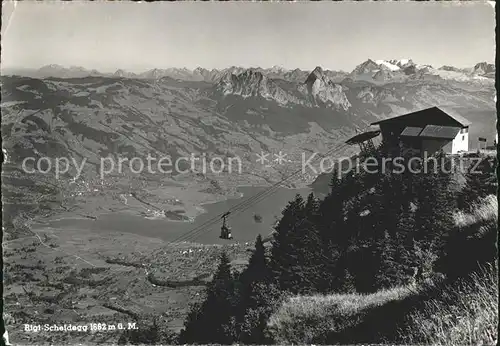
pixel 483 68
pixel 366 67
pixel 383 75
pixel 252 83
pixel 319 87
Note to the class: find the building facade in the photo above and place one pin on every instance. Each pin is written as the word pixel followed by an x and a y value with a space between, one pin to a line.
pixel 430 130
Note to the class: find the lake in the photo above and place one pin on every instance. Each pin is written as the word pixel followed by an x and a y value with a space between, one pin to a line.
pixel 244 227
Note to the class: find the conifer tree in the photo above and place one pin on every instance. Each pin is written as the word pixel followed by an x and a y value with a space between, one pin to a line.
pixel 123 340
pixel 265 299
pixel 258 297
pixel 311 252
pixel 312 208
pixel 405 257
pixel 146 334
pixel 285 247
pixel 480 181
pixel 348 282
pixel 258 269
pixel 214 321
pixel 192 325
pixel 333 234
pixel 256 272
pixel 386 275
pixel 332 210
pixel 433 216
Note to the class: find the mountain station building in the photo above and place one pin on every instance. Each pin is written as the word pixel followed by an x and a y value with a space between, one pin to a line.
pixel 429 130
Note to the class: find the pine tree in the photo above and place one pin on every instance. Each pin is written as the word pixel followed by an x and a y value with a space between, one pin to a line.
pixel 348 282
pixel 386 275
pixel 404 256
pixel 433 217
pixel 312 208
pixel 258 297
pixel 213 321
pixel 266 298
pixel 333 234
pixel 311 254
pixel 192 325
pixel 332 210
pixel 123 340
pixel 219 303
pixel 146 334
pixel 154 333
pixel 480 181
pixel 285 245
pixel 256 272
pixel 258 268
pixel 384 204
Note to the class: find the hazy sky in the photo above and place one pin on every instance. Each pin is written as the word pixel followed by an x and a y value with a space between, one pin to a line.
pixel 340 35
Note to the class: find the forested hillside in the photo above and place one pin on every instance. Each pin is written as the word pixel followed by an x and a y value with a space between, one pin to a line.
pixel 386 250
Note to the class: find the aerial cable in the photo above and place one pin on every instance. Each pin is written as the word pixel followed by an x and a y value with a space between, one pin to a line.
pixel 268 193
pixel 244 205
pixel 249 202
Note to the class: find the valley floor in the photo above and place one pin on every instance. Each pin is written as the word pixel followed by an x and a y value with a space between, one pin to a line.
pixel 81 277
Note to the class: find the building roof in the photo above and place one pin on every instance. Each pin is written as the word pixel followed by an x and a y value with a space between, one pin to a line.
pixel 411 131
pixel 427 117
pixel 360 138
pixel 434 131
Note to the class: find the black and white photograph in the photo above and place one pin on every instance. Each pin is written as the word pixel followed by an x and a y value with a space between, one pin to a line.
pixel 250 173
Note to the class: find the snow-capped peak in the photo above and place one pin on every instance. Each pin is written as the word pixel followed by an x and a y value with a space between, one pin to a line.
pixel 402 62
pixel 387 64
pixel 277 69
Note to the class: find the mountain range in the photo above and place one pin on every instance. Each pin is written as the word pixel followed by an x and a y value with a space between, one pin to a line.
pixel 61 111
pixel 365 70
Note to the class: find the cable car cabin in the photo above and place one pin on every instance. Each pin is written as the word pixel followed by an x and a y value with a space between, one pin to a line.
pixel 225 233
pixel 225 230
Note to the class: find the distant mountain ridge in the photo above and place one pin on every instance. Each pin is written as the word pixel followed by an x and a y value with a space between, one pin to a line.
pixel 383 71
pixel 317 88
pixel 367 70
pixel 182 111
pixel 242 110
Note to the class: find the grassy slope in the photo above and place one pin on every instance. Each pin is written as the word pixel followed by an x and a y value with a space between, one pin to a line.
pixel 310 319
pixel 430 314
pixel 466 314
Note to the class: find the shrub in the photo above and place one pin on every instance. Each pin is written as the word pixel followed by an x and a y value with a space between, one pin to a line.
pixel 146 334
pixel 257 218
